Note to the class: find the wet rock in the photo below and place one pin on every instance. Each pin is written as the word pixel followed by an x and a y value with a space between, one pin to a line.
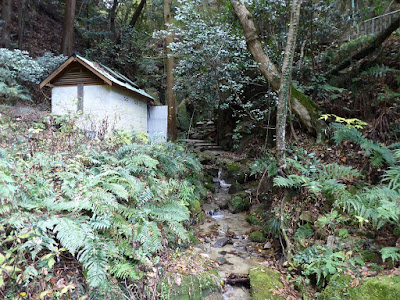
pixel 237 172
pixel 222 199
pixel 213 172
pixel 236 293
pixel 221 243
pixel 235 188
pixel 244 255
pixel 221 260
pixel 222 252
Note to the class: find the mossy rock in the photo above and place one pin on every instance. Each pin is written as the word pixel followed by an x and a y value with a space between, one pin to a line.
pixel 209 186
pixel 236 171
pixel 373 288
pixel 240 202
pixel 183 115
pixel 257 236
pixel 200 218
pixel 191 287
pixel 235 188
pixel 253 220
pixel 263 283
pixel 195 207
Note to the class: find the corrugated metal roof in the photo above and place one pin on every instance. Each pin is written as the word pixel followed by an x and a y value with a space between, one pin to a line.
pixel 115 77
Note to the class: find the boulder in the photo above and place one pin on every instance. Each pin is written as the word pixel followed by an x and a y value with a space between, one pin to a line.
pixel 221 243
pixel 373 288
pixel 307 216
pixel 222 199
pixel 263 283
pixel 183 115
pixel 257 236
pixel 205 285
pixel 240 202
pixel 236 172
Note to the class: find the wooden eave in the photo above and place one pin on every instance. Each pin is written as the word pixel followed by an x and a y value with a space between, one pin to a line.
pixel 59 70
pixel 67 63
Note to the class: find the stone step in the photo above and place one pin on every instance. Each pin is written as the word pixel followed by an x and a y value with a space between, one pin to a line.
pixel 215 152
pixel 204 144
pixel 213 148
pixel 193 141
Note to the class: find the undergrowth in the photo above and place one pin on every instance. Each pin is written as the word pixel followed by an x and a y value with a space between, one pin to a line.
pixel 110 209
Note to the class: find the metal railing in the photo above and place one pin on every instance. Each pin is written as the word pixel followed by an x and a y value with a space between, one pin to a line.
pixel 374 25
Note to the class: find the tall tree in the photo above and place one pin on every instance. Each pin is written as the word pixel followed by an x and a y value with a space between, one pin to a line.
pixel 21 22
pixel 303 107
pixel 284 89
pixel 137 13
pixel 67 42
pixel 113 12
pixel 5 27
pixel 134 19
pixel 169 67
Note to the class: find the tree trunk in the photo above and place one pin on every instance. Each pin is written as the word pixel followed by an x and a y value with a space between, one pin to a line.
pixel 133 21
pixel 5 27
pixel 21 23
pixel 67 42
pixel 137 13
pixel 303 107
pixel 367 50
pixel 172 131
pixel 284 90
pixel 113 11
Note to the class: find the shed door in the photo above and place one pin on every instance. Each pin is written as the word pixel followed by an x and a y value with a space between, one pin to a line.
pixel 157 122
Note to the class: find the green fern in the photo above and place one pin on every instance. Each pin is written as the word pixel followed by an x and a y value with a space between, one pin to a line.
pixel 390 252
pixel 379 154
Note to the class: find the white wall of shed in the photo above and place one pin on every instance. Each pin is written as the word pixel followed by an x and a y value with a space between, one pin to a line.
pixel 103 105
pixel 64 100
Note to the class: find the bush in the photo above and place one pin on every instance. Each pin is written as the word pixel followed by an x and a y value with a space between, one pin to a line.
pixel 110 210
pixel 17 68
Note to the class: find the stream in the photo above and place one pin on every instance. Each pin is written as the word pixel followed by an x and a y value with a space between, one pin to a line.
pixel 224 237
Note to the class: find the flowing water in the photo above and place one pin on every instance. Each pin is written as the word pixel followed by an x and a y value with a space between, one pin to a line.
pixel 225 239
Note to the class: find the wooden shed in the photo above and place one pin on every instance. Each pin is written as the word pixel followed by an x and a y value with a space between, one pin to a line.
pixel 104 98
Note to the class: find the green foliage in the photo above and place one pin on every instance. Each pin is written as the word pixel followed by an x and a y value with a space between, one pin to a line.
pixel 353 123
pixel 379 71
pixel 266 163
pixel 379 154
pixel 322 263
pixel 112 209
pixel 304 232
pixel 17 67
pixel 325 180
pixel 390 252
pixel 374 205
